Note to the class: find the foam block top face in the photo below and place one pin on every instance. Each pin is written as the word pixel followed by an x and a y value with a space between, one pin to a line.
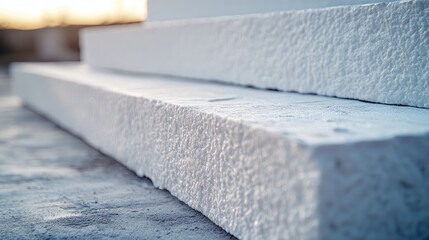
pixel 160 10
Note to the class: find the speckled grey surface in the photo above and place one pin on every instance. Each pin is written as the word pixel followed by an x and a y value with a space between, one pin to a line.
pixel 54 186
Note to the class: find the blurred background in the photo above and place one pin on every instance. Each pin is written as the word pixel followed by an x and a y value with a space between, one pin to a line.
pixel 47 30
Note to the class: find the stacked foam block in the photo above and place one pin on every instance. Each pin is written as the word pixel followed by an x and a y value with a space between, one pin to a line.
pixel 171 101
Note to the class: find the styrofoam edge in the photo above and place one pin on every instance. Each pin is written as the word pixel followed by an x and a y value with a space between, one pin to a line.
pixel 233 173
pixel 357 52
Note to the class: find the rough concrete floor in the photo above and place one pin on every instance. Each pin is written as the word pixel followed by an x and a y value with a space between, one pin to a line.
pixel 54 186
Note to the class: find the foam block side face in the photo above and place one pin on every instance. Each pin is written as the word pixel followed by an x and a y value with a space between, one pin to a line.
pixel 160 10
pixel 376 53
pixel 262 165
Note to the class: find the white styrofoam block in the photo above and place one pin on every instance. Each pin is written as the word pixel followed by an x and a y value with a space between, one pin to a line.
pixel 377 53
pixel 160 10
pixel 262 165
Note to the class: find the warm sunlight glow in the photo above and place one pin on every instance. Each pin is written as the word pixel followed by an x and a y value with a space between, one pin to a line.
pixel 32 14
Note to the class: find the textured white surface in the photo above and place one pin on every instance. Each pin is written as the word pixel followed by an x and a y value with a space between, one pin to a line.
pixel 376 52
pixel 262 165
pixel 160 10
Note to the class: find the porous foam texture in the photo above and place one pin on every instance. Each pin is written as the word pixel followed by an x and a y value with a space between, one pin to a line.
pixel 260 164
pixel 376 52
pixel 160 10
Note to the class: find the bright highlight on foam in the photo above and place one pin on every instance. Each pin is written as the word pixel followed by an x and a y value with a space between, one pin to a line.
pixel 31 14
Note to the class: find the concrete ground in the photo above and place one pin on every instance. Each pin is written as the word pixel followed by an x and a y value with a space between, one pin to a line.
pixel 54 186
